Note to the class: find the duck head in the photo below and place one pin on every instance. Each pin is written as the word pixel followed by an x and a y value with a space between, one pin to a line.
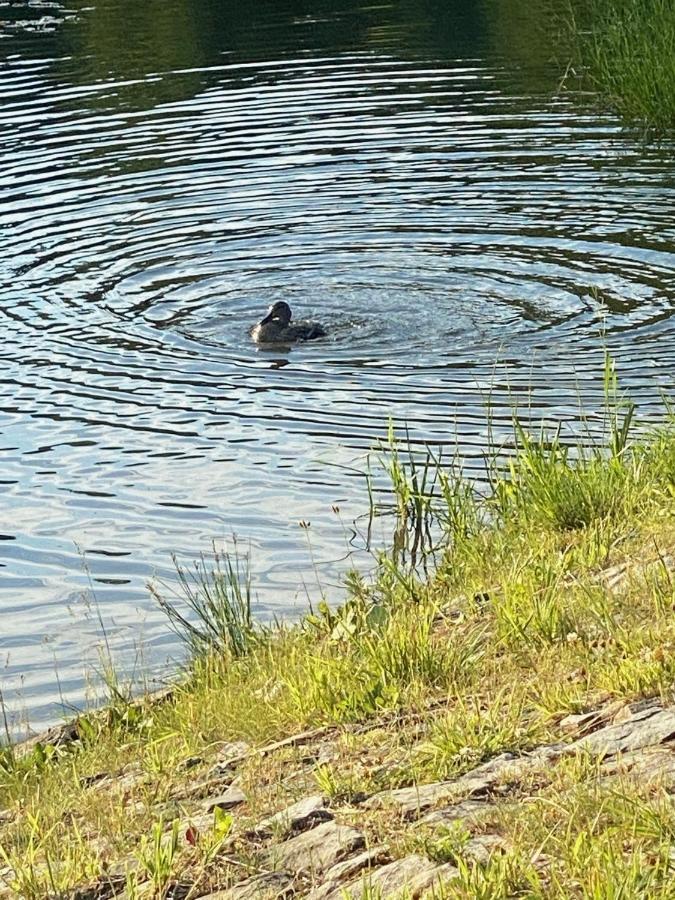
pixel 279 312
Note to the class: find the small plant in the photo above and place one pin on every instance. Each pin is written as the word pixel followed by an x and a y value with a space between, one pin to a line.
pixel 158 852
pixel 445 844
pixel 468 735
pixel 412 477
pixel 218 597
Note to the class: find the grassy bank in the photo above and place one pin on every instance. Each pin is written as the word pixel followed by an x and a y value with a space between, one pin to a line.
pixel 551 597
pixel 626 50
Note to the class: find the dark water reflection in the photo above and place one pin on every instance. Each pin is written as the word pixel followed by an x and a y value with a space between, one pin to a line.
pixel 401 171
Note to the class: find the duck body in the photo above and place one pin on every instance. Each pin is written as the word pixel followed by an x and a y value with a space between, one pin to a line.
pixel 277 327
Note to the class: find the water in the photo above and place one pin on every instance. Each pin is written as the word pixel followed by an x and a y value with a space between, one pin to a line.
pixel 402 172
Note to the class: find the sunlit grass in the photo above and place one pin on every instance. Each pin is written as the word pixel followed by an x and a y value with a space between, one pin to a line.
pixel 551 595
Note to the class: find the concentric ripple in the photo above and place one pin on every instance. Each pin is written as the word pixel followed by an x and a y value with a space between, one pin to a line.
pixel 453 235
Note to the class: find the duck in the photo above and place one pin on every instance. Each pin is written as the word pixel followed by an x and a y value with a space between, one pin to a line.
pixel 277 328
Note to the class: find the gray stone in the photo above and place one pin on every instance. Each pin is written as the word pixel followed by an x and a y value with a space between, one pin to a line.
pixel 503 769
pixel 468 810
pixel 482 847
pixel 201 822
pixel 317 850
pixel 103 889
pixel 647 766
pixel 413 801
pixel 268 886
pixel 96 778
pixel 189 763
pixel 615 576
pixel 412 876
pixel 583 723
pixel 178 890
pixel 295 740
pixel 645 728
pixel 297 817
pixel 232 750
pixel 636 711
pixel 336 876
pixel 232 797
pixel 230 755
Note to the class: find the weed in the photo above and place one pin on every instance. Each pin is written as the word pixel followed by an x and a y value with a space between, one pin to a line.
pixel 219 600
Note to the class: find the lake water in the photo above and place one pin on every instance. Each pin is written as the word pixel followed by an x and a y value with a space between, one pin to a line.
pixel 401 171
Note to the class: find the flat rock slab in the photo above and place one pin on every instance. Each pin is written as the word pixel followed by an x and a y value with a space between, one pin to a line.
pixel 580 724
pixel 645 766
pixel 469 811
pixel 269 886
pixel 336 876
pixel 483 847
pixel 103 889
pixel 647 728
pixel 230 755
pixel 505 768
pixel 411 876
pixel 201 823
pixel 413 801
pixel 298 817
pixel 232 797
pixel 317 850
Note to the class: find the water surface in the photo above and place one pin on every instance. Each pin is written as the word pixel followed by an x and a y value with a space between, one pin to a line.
pixel 403 172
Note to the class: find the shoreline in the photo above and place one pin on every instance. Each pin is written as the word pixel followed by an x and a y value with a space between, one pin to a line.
pixel 463 733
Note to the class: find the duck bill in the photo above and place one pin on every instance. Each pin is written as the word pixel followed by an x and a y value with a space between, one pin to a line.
pixel 268 318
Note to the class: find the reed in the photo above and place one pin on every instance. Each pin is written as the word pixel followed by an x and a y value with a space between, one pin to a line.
pixel 626 49
pixel 211 607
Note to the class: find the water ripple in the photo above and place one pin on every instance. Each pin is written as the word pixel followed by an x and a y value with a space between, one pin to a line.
pixel 454 237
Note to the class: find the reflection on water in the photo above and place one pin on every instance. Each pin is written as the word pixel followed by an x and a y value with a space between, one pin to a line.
pixel 401 172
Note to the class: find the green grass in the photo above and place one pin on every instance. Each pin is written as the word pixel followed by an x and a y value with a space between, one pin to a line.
pixel 553 594
pixel 627 50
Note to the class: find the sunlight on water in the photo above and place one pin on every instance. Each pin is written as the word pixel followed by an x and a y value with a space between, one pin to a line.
pixel 455 226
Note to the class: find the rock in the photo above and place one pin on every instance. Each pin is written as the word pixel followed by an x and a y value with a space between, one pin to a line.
pixel 189 763
pixel 482 847
pixel 645 728
pixel 201 823
pixel 335 877
pixel 269 886
pixel 648 767
pixel 583 723
pixel 297 817
pixel 295 740
pixel 230 755
pixel 411 877
pixel 96 778
pixel 469 810
pixel 317 850
pixel 326 754
pixel 232 797
pixel 178 890
pixel 104 888
pixel 413 801
pixel 505 768
pixel 130 779
pixel 614 576
pixel 635 711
